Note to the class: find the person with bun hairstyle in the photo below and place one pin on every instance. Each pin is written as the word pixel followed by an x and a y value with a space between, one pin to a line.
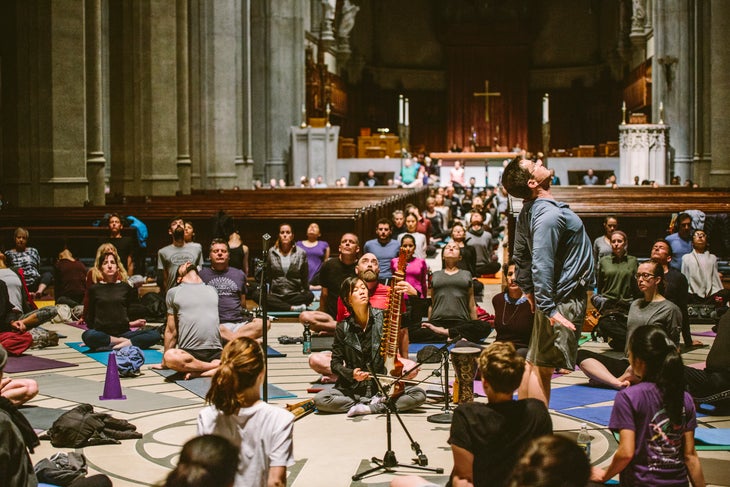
pixel 262 432
pixel 551 461
pixel 655 419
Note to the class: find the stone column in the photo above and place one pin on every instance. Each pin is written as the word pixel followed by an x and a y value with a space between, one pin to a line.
pixel 244 161
pixel 95 160
pixel 278 83
pixel 183 120
pixel 720 95
pixel 673 81
pixel 702 101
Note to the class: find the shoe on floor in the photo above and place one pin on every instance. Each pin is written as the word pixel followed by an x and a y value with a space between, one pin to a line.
pixel 299 308
pixel 359 410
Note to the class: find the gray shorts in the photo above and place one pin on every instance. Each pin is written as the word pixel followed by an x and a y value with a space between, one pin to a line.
pixel 557 346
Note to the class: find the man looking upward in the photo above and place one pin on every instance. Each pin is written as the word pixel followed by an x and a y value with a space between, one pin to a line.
pixel 554 265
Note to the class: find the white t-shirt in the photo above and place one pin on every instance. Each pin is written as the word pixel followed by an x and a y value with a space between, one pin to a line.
pixel 263 435
pixel 15 288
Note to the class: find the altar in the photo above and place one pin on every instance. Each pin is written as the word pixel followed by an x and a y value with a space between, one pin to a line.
pixel 485 167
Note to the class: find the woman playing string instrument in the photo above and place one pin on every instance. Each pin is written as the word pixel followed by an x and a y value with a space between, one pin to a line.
pixel 357 345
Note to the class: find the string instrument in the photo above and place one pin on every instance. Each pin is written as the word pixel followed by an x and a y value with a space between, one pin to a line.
pixel 391 326
pixel 301 409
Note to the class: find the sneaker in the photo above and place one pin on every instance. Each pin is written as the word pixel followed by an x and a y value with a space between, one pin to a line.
pixel 299 308
pixel 359 410
pixel 377 399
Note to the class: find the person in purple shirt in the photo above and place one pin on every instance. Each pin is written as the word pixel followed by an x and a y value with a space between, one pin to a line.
pixel 230 284
pixel 655 419
pixel 318 251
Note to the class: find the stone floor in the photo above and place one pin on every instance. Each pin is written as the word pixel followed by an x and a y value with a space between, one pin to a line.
pixel 329 449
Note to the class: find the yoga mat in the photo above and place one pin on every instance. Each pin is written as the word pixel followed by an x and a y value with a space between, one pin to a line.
pixel 151 356
pixel 584 337
pixel 713 439
pixel 28 363
pixel 598 414
pixel 41 418
pixel 576 396
pixel 708 333
pixel 88 391
pixel 319 387
pixel 200 385
pixel 78 324
pixel 416 347
pixel 271 353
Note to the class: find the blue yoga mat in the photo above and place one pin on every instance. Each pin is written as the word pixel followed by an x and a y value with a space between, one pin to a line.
pixel 151 356
pixel 713 437
pixel 598 414
pixel 416 347
pixel 576 396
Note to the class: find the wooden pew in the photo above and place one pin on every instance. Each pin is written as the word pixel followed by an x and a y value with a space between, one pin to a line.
pixel 337 210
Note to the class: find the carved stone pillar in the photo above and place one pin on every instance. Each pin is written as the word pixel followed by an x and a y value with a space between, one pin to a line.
pixel 720 95
pixel 95 160
pixel 643 152
pixel 183 113
pixel 244 148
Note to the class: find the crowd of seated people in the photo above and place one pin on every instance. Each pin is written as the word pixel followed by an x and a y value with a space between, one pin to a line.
pixel 653 294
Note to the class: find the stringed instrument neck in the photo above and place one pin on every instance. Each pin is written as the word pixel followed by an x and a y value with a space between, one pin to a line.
pixel 392 321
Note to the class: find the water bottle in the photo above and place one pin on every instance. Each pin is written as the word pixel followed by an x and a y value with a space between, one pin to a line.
pixel 584 440
pixel 307 341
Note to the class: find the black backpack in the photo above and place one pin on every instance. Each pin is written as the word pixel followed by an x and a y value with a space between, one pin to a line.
pixel 155 307
pixel 612 327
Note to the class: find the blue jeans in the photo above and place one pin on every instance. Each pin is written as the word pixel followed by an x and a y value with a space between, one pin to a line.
pixel 95 339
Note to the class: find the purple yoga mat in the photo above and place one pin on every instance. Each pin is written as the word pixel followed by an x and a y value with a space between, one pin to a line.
pixel 78 324
pixel 708 333
pixel 27 363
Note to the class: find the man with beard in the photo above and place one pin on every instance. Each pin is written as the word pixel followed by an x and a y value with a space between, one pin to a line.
pixel 554 266
pixel 176 254
pixel 367 269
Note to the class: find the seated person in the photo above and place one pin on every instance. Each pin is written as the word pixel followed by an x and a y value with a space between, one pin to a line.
pixel 107 311
pixel 69 279
pixel 468 261
pixel 703 276
pixel 230 284
pixel 551 460
pixel 480 239
pixel 416 274
pixel 17 391
pixel 652 309
pixel 20 296
pixel 288 274
pixel 318 252
pixel 367 269
pixel 355 392
pixel 513 315
pixel 602 245
pixel 715 378
pixel 28 259
pixel 487 439
pixel 15 326
pixel 438 226
pixel 192 332
pixel 615 277
pixel 453 312
pixel 419 237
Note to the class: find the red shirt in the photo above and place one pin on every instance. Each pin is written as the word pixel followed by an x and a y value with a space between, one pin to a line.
pixel 378 299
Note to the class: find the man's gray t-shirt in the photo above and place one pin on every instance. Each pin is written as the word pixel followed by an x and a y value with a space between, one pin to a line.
pixel 170 257
pixel 196 308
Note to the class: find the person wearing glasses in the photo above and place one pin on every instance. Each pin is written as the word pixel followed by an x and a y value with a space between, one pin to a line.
pixel 652 309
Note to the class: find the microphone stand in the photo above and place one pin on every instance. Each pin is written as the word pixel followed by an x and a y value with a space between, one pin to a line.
pixel 263 298
pixel 446 415
pixel 389 461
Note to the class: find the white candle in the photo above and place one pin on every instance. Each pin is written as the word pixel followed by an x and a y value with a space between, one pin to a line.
pixel 400 109
pixel 623 105
pixel 545 108
pixel 406 110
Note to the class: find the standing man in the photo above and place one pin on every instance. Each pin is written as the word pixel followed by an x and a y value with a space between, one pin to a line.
pixel 126 246
pixel 230 284
pixel 384 247
pixel 192 335
pixel 554 265
pixel 177 253
pixel 331 276
pixel 681 241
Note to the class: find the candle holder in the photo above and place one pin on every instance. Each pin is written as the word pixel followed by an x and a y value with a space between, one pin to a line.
pixel 623 113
